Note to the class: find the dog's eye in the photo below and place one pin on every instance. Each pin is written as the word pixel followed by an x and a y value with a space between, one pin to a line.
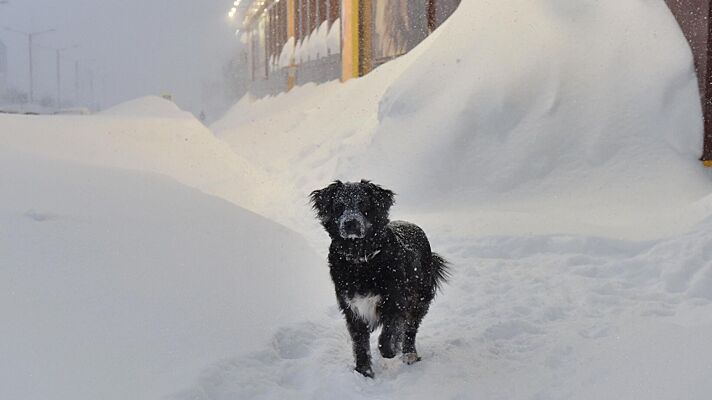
pixel 338 208
pixel 364 206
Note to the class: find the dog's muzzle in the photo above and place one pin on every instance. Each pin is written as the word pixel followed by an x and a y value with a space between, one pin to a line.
pixel 353 225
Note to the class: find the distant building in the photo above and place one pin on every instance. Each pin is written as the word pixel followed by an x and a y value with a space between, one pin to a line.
pixel 3 68
pixel 291 42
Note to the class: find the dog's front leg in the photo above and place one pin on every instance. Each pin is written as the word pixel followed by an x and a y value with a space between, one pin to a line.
pixel 391 311
pixel 390 335
pixel 360 336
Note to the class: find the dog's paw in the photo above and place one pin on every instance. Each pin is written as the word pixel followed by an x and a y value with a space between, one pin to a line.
pixel 365 371
pixel 411 358
pixel 387 351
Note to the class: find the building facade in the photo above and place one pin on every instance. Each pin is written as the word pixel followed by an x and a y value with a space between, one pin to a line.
pixel 694 17
pixel 291 42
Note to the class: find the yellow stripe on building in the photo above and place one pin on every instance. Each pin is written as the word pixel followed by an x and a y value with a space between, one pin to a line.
pixel 349 39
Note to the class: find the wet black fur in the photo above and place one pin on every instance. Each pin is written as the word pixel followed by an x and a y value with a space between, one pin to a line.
pixel 404 272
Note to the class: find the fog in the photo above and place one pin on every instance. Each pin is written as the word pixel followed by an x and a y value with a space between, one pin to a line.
pixel 124 49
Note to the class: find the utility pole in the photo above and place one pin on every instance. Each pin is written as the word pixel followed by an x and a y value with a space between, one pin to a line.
pixel 76 82
pixel 30 37
pixel 91 90
pixel 59 78
pixel 103 103
pixel 58 54
pixel 86 83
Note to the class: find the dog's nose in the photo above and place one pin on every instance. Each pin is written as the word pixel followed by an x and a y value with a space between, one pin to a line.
pixel 352 226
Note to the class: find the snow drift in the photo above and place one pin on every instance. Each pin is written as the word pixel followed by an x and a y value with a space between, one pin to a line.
pixel 117 281
pixel 148 134
pixel 544 95
pixel 509 106
pixel 117 284
pixel 147 107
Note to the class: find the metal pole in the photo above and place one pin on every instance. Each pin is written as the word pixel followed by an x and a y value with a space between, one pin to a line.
pixel 59 80
pixel 30 36
pixel 58 55
pixel 103 93
pixel 91 90
pixel 76 82
pixel 32 82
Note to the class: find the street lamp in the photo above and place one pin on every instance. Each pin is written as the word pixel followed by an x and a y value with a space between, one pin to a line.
pixel 233 10
pixel 58 54
pixel 86 94
pixel 30 37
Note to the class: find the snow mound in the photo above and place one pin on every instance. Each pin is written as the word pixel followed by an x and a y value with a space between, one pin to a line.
pixel 578 117
pixel 147 107
pixel 546 98
pixel 124 285
pixel 181 148
pixel 287 53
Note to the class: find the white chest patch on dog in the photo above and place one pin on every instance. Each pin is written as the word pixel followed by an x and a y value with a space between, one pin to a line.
pixel 365 307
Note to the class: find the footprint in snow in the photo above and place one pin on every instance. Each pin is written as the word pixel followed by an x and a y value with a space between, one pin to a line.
pixel 511 329
pixel 293 343
pixel 40 216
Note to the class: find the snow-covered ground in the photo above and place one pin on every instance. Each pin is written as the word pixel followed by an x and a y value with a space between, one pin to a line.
pixel 119 284
pixel 558 173
pixel 526 317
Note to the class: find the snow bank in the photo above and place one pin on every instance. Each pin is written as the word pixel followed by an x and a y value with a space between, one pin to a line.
pixel 333 38
pixel 318 46
pixel 571 117
pixel 118 284
pixel 287 53
pixel 299 51
pixel 300 137
pixel 178 146
pixel 147 107
pixel 546 98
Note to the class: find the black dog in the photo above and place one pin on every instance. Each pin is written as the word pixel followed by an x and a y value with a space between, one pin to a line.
pixel 384 272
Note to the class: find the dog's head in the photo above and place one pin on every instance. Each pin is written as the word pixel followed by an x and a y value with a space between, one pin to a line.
pixel 352 210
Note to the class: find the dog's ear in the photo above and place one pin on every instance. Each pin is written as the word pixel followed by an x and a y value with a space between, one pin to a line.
pixel 383 198
pixel 322 200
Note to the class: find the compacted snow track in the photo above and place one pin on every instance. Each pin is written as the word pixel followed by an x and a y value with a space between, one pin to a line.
pixel 524 317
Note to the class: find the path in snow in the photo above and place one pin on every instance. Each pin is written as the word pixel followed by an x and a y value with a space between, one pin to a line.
pixel 525 317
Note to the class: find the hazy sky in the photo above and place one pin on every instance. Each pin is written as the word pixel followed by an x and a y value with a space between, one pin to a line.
pixel 134 47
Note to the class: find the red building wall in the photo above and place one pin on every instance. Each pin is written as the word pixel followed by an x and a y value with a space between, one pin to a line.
pixel 693 16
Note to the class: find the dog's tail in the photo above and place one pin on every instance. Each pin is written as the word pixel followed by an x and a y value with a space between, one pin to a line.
pixel 441 271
